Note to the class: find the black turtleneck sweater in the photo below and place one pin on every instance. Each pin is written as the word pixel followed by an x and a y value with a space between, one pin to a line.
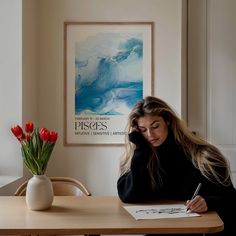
pixel 179 180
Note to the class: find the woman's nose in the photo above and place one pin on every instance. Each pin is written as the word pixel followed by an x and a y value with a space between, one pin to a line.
pixel 149 132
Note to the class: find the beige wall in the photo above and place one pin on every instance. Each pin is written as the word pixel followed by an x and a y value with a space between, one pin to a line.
pixel 10 88
pixel 212 73
pixel 96 166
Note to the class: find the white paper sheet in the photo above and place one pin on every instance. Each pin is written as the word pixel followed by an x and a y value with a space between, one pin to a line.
pixel 140 212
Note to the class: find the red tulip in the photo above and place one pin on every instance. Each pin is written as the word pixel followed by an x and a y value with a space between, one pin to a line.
pixel 29 127
pixel 22 137
pixel 53 137
pixel 28 137
pixel 17 131
pixel 44 134
pixel 36 144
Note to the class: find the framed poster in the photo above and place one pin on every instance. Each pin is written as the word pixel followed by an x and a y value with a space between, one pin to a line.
pixel 108 67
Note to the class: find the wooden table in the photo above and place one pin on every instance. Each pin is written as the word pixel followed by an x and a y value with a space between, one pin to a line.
pixel 93 215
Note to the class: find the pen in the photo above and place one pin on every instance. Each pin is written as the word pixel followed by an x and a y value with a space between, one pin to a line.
pixel 196 192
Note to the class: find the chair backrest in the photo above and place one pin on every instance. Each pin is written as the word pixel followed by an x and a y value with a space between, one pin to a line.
pixel 62 186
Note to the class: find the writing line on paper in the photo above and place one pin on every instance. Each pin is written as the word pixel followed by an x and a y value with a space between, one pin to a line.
pixel 140 212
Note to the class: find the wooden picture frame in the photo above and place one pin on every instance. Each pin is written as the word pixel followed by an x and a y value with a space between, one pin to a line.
pixel 108 67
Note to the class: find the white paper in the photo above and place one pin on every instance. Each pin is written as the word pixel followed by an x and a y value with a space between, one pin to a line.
pixel 140 212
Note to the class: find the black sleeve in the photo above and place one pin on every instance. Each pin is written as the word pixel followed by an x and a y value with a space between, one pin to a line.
pixel 217 195
pixel 220 198
pixel 135 186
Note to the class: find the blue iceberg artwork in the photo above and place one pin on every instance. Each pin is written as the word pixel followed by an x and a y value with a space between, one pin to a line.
pixel 108 73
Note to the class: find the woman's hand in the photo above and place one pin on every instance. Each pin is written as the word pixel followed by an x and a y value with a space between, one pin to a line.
pixel 138 139
pixel 198 205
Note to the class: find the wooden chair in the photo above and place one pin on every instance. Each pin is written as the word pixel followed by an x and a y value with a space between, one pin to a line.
pixel 62 186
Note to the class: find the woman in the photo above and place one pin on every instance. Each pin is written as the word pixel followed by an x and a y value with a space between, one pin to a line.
pixel 164 159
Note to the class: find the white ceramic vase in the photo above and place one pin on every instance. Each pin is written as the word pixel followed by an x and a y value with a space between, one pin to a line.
pixel 39 193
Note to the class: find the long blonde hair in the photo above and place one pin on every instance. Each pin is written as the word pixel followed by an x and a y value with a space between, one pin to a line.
pixel 204 156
